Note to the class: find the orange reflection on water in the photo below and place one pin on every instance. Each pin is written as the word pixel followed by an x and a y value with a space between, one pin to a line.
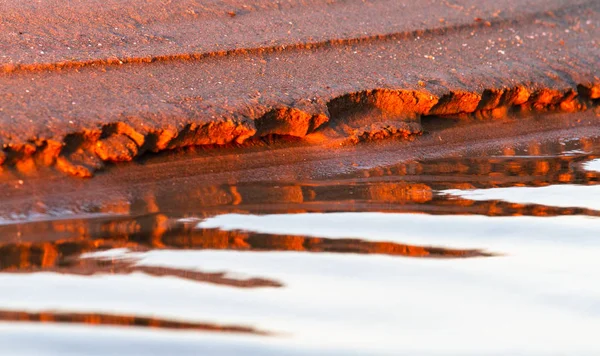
pixel 140 234
pixel 122 320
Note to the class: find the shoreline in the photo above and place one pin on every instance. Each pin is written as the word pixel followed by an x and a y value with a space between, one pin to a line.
pixel 208 177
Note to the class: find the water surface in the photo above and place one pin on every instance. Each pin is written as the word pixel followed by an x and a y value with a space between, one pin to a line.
pixel 488 254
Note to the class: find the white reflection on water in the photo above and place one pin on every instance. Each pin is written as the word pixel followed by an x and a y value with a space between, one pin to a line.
pixel 538 298
pixel 562 196
pixel 453 231
pixel 593 165
pixel 62 340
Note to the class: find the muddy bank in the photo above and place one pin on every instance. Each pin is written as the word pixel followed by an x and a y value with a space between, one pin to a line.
pixel 388 175
pixel 135 81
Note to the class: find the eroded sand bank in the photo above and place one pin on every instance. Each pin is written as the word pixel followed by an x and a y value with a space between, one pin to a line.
pixel 91 84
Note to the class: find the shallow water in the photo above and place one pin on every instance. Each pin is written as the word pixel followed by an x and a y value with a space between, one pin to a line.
pixel 487 254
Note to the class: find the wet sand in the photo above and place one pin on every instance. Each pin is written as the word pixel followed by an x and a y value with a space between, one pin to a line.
pixel 31 192
pixel 116 84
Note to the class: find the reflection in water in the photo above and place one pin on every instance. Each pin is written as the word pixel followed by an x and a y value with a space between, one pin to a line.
pixel 407 187
pixel 404 187
pixel 139 234
pixel 49 257
pixel 593 165
pixel 189 225
pixel 498 234
pixel 411 186
pixel 121 320
pixel 77 255
pixel 567 195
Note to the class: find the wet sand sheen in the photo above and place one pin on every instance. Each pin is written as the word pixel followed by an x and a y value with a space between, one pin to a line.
pixel 393 175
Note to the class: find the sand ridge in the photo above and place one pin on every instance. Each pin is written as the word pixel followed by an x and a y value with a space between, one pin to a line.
pixel 348 70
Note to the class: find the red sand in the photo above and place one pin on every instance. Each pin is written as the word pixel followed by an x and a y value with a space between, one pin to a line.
pixel 108 81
